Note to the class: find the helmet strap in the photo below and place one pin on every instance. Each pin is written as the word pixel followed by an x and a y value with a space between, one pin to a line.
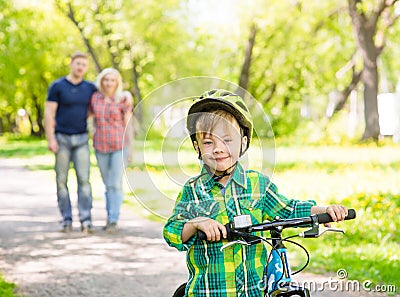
pixel 217 177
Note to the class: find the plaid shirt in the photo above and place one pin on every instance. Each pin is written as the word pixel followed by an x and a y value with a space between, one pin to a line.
pixel 237 270
pixel 109 123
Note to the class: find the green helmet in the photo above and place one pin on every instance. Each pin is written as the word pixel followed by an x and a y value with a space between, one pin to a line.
pixel 221 99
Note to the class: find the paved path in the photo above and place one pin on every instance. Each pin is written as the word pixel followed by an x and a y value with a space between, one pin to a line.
pixel 44 262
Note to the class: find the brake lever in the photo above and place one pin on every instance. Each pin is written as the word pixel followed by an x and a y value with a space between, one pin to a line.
pixel 242 242
pixel 331 230
pixel 312 233
pixel 246 239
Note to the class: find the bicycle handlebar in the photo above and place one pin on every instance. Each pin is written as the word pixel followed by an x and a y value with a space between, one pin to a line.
pixel 324 218
pixel 317 218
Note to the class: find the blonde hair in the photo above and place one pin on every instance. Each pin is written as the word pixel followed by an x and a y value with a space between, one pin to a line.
pixel 207 121
pixel 119 91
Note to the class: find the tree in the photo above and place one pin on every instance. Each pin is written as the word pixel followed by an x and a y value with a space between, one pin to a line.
pixel 288 54
pixel 31 41
pixel 292 58
pixel 128 36
pixel 99 24
pixel 244 73
pixel 315 37
pixel 370 35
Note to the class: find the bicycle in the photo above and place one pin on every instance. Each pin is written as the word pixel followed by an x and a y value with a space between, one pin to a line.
pixel 277 273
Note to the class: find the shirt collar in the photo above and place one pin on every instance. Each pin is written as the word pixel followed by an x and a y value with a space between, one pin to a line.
pixel 239 177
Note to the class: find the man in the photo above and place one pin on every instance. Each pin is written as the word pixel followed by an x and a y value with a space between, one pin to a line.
pixel 66 132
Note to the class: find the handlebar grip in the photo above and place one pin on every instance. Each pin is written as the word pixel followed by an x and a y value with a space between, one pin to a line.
pixel 326 218
pixel 201 235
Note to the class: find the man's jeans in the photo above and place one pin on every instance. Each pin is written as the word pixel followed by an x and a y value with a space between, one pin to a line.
pixel 111 168
pixel 74 148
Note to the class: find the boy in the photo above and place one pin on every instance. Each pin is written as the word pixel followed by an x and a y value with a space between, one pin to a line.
pixel 220 128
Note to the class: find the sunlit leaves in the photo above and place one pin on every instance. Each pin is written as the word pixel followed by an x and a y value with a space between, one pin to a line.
pixel 30 37
pixel 299 49
pixel 301 52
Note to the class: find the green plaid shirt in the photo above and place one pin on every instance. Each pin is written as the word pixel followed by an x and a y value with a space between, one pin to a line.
pixel 237 270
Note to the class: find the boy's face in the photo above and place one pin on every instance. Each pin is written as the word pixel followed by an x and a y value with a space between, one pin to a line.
pixel 220 149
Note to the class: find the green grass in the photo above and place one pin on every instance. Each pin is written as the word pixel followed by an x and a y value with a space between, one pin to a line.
pixel 7 289
pixel 364 177
pixel 22 147
pixel 370 248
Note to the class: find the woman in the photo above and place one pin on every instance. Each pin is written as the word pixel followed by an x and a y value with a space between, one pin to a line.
pixel 111 108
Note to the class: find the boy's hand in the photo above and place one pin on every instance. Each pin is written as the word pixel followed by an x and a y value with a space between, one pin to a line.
pixel 337 212
pixel 210 227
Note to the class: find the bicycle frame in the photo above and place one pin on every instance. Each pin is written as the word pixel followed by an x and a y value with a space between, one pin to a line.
pixel 278 282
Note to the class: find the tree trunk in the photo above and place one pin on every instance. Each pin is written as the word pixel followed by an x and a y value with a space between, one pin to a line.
pixel 344 95
pixel 364 31
pixel 39 117
pixel 136 93
pixel 1 126
pixel 371 115
pixel 71 15
pixel 245 72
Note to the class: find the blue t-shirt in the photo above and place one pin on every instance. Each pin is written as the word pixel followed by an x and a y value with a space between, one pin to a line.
pixel 73 102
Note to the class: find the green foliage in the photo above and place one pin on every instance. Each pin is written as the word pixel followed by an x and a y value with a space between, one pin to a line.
pixel 299 58
pixel 390 68
pixel 33 55
pixel 370 241
pixel 379 213
pixel 22 146
pixel 7 289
